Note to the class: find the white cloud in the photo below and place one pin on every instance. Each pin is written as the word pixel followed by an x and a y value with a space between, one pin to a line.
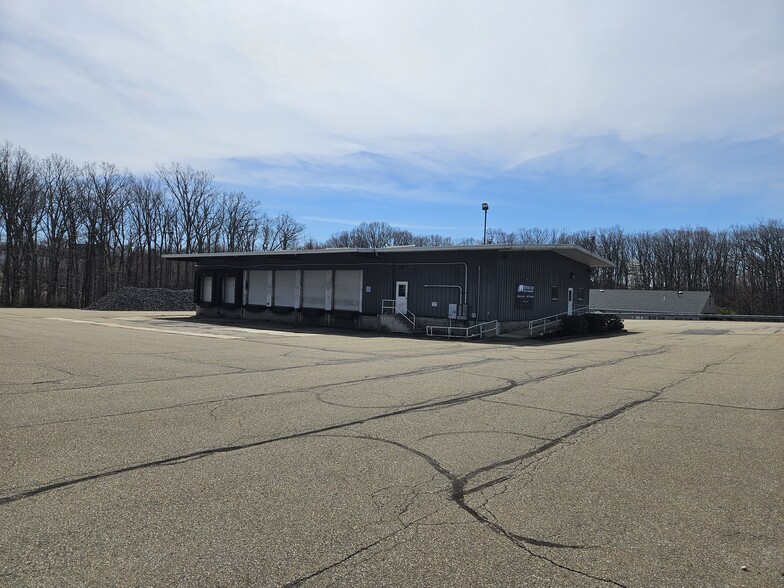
pixel 205 79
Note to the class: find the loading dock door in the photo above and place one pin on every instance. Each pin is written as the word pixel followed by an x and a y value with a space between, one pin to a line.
pixel 229 289
pixel 401 297
pixel 285 288
pixel 206 289
pixel 347 290
pixel 258 287
pixel 314 289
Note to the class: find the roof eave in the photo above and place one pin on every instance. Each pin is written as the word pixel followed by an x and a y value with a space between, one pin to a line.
pixel 574 252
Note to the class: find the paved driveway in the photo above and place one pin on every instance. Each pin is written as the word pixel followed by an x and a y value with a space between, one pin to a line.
pixel 141 449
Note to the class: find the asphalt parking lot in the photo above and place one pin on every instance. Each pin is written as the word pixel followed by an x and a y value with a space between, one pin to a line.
pixel 142 449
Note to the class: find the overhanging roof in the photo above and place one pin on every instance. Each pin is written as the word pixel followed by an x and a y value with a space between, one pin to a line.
pixel 574 252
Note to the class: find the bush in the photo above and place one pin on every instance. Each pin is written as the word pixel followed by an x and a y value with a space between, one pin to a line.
pixel 585 324
pixel 595 322
pixel 574 325
pixel 613 323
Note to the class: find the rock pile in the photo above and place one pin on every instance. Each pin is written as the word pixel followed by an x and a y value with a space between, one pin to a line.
pixel 161 299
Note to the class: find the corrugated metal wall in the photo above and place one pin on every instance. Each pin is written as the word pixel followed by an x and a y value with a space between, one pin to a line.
pixel 487 279
pixel 434 281
pixel 543 270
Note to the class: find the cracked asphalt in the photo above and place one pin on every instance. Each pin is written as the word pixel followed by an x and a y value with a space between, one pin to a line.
pixel 153 449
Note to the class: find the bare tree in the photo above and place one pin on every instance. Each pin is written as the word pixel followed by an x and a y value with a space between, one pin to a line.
pixel 432 241
pixel 19 198
pixel 241 225
pixel 613 244
pixel 762 270
pixel 69 234
pixel 500 237
pixel 371 235
pixel 194 194
pixel 58 180
pixel 280 232
pixel 102 206
pixel 147 213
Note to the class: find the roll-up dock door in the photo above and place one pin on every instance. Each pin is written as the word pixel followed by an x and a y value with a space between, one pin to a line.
pixel 206 289
pixel 258 288
pixel 314 289
pixel 229 290
pixel 348 290
pixel 285 289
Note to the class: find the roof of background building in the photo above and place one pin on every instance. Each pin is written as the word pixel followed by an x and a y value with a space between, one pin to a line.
pixel 574 252
pixel 667 301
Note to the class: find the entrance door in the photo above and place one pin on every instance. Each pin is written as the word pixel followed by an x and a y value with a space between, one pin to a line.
pixel 570 301
pixel 401 297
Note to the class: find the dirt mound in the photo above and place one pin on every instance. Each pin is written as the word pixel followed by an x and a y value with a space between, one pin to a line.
pixel 161 299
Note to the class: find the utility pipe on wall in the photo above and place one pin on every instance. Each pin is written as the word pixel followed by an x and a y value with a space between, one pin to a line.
pixel 478 292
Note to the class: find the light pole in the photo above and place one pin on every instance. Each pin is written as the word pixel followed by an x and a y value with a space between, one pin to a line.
pixel 485 207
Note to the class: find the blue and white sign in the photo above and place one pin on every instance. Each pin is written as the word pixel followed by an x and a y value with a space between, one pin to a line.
pixel 524 293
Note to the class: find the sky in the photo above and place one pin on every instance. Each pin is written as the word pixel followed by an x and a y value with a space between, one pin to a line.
pixel 645 114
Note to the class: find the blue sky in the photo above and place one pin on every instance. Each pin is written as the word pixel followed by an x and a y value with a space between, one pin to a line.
pixel 568 114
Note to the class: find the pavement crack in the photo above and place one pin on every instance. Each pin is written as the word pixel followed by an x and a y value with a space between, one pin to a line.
pixel 215 409
pixel 554 442
pixel 485 432
pixel 459 484
pixel 459 490
pixel 518 405
pixel 421 454
pixel 362 550
pixel 524 542
pixel 301 580
pixel 458 497
pixel 239 447
pixel 247 396
pixel 730 406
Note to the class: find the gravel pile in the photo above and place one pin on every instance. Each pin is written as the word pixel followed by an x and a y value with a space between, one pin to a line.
pixel 161 299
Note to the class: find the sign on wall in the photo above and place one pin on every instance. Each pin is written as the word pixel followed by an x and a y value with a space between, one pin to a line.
pixel 524 293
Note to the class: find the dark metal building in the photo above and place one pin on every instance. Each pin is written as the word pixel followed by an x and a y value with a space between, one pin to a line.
pixel 397 288
pixel 653 303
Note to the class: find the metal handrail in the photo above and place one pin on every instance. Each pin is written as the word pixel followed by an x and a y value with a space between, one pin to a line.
pixel 477 330
pixel 388 306
pixel 552 322
pixel 410 317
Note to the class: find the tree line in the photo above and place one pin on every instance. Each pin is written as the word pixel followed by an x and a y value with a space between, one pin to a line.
pixel 70 234
pixel 743 267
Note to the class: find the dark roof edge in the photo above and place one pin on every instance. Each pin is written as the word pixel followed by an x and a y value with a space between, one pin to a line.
pixel 571 251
